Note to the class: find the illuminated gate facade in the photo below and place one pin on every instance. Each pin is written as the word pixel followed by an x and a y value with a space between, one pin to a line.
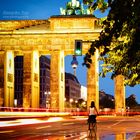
pixel 56 37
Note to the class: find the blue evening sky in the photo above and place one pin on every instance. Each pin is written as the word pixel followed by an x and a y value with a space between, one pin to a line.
pixel 43 9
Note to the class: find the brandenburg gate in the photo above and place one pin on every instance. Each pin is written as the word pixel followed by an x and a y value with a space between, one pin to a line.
pixel 56 37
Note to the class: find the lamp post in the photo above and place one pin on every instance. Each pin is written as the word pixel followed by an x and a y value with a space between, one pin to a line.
pixel 71 100
pixel 74 64
pixel 47 94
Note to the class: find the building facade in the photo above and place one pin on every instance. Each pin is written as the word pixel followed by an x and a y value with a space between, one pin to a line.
pixel 44 82
pixel 84 93
pixel 18 89
pixel 72 88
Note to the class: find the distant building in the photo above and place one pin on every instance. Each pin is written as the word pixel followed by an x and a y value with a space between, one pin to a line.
pixel 84 93
pixel 72 87
pixel 103 95
pixel 106 100
pixel 44 81
pixel 18 88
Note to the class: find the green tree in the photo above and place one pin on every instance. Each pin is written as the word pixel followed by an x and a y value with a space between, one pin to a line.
pixel 81 104
pixel 119 41
pixel 95 5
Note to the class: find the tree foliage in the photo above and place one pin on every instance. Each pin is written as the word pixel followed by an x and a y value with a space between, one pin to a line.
pixel 119 41
pixel 99 4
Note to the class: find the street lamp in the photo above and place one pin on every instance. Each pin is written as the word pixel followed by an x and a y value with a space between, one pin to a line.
pixel 47 94
pixel 71 100
pixel 76 101
pixel 74 64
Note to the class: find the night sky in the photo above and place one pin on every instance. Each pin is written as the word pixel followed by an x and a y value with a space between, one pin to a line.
pixel 43 9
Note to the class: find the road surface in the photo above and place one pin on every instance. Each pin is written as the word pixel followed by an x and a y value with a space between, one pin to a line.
pixel 57 128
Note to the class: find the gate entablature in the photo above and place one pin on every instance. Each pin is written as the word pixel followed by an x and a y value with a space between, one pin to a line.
pixel 44 35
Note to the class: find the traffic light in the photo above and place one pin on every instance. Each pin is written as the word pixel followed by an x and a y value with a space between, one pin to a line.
pixel 78 47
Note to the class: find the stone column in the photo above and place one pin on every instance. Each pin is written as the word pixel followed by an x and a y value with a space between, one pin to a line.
pixel 119 93
pixel 9 79
pixel 31 79
pixel 2 79
pixel 57 80
pixel 93 82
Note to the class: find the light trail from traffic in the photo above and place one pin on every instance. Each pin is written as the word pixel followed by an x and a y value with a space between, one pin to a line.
pixel 28 121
